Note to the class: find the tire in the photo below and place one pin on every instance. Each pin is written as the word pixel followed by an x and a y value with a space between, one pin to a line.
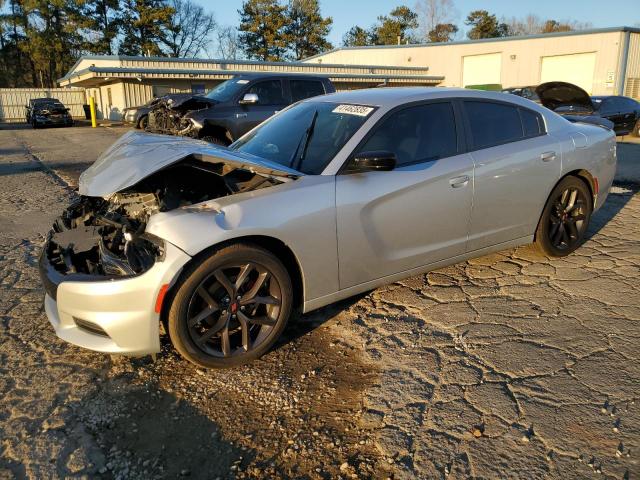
pixel 215 140
pixel 143 122
pixel 34 125
pixel 636 129
pixel 217 323
pixel 565 218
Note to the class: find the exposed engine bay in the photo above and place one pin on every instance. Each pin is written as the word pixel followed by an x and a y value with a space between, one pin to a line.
pixel 173 115
pixel 106 236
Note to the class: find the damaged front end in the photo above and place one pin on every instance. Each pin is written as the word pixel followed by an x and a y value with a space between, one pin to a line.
pixel 102 235
pixel 173 115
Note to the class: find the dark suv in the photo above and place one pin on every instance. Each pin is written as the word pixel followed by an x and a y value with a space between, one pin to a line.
pixel 234 107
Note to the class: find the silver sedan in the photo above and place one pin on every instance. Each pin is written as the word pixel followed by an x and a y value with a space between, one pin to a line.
pixel 333 196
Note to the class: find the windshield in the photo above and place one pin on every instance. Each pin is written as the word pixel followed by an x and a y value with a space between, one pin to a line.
pixel 227 89
pixel 306 136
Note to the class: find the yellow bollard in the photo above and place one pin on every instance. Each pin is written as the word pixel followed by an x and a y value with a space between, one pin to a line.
pixel 92 107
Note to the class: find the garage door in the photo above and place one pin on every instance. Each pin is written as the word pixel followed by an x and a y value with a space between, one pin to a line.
pixel 481 69
pixel 577 69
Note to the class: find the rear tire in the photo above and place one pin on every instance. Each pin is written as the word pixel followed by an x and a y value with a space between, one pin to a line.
pixel 231 307
pixel 565 218
pixel 636 129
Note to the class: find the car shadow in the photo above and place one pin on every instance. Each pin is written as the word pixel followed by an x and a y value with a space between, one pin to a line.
pixel 618 197
pixel 128 430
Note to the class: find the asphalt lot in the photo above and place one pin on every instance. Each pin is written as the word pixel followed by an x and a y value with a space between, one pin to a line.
pixel 511 365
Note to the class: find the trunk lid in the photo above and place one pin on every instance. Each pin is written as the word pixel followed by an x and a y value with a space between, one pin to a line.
pixel 554 95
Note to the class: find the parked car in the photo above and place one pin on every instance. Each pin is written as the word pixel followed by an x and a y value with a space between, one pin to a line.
pixel 525 92
pixel 575 104
pixel 333 196
pixel 47 112
pixel 137 116
pixel 234 107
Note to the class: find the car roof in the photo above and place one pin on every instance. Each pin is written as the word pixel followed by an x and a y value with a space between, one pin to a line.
pixel 392 96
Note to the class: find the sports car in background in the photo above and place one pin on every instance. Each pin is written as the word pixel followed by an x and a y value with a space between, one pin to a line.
pixel 333 196
pixel 622 114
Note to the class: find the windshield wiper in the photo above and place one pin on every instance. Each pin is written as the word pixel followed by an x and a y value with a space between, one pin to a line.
pixel 295 160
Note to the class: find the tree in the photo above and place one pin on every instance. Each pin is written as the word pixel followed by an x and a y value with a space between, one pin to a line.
pixel 307 29
pixel 357 37
pixel 485 25
pixel 101 20
pixel 262 34
pixel 432 13
pixel 442 32
pixel 145 26
pixel 227 43
pixel 396 27
pixel 189 30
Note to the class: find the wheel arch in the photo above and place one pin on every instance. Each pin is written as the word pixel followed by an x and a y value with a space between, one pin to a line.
pixel 582 174
pixel 274 245
pixel 215 130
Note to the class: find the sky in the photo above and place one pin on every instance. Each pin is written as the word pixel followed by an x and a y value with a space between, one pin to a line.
pixel 346 13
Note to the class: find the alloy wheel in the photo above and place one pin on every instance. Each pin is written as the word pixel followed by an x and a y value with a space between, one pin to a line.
pixel 234 309
pixel 567 219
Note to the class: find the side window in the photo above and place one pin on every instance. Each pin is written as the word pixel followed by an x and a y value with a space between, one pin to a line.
pixel 416 134
pixel 269 92
pixel 301 89
pixel 493 123
pixel 531 123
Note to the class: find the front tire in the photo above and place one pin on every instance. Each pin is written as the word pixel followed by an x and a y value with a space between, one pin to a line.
pixel 565 218
pixel 231 307
pixel 143 122
pixel 636 129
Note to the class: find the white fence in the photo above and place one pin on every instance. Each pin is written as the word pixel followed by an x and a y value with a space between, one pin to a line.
pixel 13 101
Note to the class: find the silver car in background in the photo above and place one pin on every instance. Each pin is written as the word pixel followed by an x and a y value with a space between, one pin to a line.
pixel 334 196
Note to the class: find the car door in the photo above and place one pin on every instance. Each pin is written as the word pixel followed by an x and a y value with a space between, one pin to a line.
pixel 271 99
pixel 611 109
pixel 392 221
pixel 516 166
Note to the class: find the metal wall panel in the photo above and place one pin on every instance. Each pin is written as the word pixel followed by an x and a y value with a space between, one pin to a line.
pixel 14 100
pixel 632 83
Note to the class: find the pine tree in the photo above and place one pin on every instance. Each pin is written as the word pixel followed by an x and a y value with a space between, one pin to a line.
pixel 262 30
pixel 307 29
pixel 397 25
pixel 144 26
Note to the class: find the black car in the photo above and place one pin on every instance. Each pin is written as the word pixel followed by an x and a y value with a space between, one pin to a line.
pixel 575 104
pixel 234 107
pixel 47 112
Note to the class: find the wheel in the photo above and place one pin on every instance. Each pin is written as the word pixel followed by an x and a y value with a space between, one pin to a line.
pixel 143 122
pixel 636 129
pixel 565 218
pixel 230 308
pixel 34 124
pixel 214 140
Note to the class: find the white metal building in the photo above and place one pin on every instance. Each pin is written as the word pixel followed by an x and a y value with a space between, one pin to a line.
pixel 603 61
pixel 118 82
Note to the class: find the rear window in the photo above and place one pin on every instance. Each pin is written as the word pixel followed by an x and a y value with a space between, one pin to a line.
pixel 301 89
pixel 493 123
pixel 531 123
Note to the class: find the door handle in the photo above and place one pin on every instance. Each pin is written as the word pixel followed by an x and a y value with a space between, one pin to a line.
pixel 457 182
pixel 548 156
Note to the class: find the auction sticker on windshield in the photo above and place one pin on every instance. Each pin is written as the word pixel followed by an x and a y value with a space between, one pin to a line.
pixel 358 110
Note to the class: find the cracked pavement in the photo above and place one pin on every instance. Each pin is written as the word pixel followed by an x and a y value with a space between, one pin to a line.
pixel 511 365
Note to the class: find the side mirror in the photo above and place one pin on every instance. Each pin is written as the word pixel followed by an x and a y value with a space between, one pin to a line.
pixel 249 99
pixel 378 161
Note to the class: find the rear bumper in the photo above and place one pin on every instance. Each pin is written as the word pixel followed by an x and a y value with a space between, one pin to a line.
pixel 113 316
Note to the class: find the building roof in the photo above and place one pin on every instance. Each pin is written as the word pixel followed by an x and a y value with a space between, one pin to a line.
pixel 93 69
pixel 591 31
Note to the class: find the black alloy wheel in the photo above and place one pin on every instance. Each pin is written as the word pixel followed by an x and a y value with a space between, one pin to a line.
pixel 231 308
pixel 565 218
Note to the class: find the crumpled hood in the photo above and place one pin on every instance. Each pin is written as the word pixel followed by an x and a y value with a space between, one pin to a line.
pixel 562 94
pixel 176 100
pixel 135 156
